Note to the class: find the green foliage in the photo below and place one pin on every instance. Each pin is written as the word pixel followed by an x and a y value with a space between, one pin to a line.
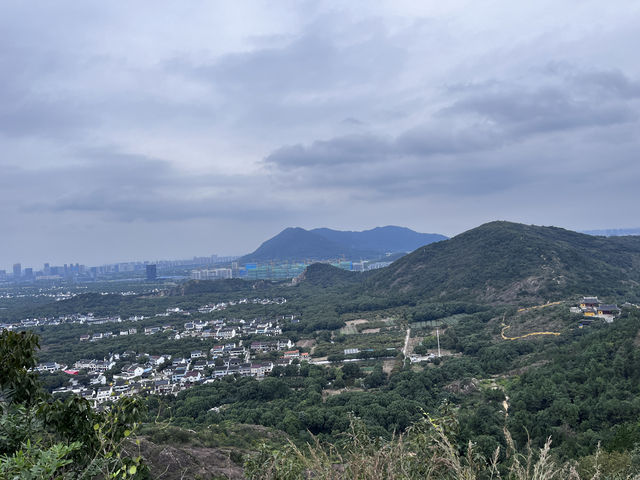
pixel 17 356
pixel 43 438
pixel 590 392
pixel 33 462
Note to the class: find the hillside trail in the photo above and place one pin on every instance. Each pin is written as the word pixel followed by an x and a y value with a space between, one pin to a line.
pixel 505 327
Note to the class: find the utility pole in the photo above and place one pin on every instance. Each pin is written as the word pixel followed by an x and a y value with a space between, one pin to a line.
pixel 438 335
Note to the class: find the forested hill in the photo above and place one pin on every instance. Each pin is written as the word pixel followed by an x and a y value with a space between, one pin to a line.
pixel 507 262
pixel 323 275
pixel 323 243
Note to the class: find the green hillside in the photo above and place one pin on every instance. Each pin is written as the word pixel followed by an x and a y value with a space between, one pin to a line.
pixel 323 275
pixel 503 261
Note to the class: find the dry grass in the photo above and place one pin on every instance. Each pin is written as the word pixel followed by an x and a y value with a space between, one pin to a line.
pixel 425 452
pixel 388 366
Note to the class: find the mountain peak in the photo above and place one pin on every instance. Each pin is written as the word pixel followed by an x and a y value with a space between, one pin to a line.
pixel 296 244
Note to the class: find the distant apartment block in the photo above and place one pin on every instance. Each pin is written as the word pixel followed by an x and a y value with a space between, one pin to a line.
pixel 212 274
pixel 152 273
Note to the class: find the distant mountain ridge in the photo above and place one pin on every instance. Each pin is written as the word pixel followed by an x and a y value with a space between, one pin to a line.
pixel 614 232
pixel 298 244
pixel 389 239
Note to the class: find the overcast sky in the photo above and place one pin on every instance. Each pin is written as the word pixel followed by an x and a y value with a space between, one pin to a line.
pixel 147 130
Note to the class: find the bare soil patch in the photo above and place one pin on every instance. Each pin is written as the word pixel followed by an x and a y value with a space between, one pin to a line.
pixel 388 365
pixel 371 330
pixel 360 321
pixel 413 341
pixel 307 343
pixel 330 392
pixel 170 462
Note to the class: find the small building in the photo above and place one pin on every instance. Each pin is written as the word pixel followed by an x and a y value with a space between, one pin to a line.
pixel 191 377
pixel 162 387
pixel 200 365
pixel 589 302
pixel 103 393
pixel 608 310
pixel 178 374
pixel 48 367
pixel 226 333
pixel 134 370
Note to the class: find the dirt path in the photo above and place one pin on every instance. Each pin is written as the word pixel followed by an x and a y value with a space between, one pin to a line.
pixel 520 310
pixel 406 342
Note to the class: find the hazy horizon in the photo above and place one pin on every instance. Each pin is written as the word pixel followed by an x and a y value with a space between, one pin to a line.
pixel 162 130
pixel 186 256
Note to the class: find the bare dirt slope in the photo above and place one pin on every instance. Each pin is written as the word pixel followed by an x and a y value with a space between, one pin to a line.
pixel 175 462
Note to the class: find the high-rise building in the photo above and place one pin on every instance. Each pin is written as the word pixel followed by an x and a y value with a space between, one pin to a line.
pixel 17 270
pixel 28 273
pixel 47 269
pixel 152 272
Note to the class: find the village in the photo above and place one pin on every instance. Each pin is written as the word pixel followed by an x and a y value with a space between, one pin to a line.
pixel 91 319
pixel 134 373
pixel 220 329
pixel 235 352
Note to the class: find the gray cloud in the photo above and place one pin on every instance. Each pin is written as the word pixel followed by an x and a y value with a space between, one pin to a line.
pixel 128 187
pixel 542 110
pixel 240 121
pixel 329 55
pixel 492 136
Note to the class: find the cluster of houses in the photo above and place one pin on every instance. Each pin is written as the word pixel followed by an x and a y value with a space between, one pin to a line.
pixel 77 318
pixel 91 319
pixel 104 335
pixel 224 329
pixel 591 307
pixel 221 329
pixel 164 375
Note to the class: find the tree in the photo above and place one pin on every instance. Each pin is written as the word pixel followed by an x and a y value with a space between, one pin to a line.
pixel 17 357
pixel 375 378
pixel 43 438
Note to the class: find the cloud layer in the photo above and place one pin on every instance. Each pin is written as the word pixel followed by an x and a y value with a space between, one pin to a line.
pixel 232 122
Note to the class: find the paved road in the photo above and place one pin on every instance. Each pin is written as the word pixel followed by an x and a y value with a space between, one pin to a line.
pixel 346 360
